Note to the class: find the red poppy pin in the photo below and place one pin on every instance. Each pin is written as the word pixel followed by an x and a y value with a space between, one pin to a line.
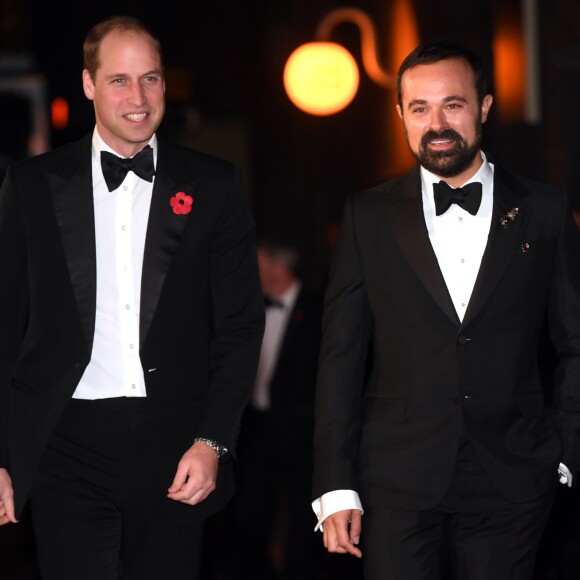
pixel 181 203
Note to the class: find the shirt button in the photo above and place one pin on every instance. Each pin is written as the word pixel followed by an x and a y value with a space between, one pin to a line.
pixel 127 306
pixel 133 386
pixel 123 228
pixel 463 260
pixel 125 188
pixel 130 346
pixel 460 219
pixel 463 305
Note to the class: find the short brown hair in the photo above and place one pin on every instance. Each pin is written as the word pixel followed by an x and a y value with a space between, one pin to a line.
pixel 433 52
pixel 98 32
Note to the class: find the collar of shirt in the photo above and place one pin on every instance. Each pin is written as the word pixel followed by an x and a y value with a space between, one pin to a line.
pixel 484 174
pixel 289 297
pixel 99 145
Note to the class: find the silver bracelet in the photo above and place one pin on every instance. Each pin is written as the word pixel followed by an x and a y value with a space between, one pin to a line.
pixel 220 450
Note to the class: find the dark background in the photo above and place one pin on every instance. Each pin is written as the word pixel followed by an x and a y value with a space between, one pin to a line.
pixel 224 61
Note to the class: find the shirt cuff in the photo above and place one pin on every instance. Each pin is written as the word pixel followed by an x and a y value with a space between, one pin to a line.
pixel 564 475
pixel 335 501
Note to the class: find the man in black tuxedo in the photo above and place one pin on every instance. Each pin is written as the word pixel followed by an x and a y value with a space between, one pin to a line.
pixel 274 471
pixel 430 412
pixel 131 318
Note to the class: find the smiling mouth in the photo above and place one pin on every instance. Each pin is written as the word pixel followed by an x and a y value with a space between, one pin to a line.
pixel 444 140
pixel 136 117
pixel 437 142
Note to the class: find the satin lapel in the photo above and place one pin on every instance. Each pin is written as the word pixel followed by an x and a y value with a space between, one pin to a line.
pixel 407 222
pixel 164 231
pixel 72 195
pixel 502 242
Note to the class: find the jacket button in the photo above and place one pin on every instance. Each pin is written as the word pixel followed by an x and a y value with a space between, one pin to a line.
pixel 463 339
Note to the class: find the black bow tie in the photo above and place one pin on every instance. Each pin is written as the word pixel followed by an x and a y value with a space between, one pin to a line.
pixel 271 303
pixel 468 197
pixel 116 168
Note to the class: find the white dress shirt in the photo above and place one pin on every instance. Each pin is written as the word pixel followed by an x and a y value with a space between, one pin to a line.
pixel 274 331
pixel 459 240
pixel 121 218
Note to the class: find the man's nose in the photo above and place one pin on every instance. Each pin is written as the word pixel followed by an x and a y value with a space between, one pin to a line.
pixel 438 120
pixel 137 96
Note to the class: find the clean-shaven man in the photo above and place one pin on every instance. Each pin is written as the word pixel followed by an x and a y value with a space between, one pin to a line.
pixel 131 317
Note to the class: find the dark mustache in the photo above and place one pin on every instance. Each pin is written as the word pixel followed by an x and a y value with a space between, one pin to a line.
pixel 443 134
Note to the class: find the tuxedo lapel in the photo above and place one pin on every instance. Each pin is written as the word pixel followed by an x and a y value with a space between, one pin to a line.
pixel 407 222
pixel 72 195
pixel 502 243
pixel 164 230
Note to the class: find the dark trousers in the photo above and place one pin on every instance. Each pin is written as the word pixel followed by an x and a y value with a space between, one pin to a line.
pixel 473 534
pixel 99 505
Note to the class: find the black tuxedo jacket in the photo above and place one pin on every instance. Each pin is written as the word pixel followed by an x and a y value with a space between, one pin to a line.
pixel 389 417
pixel 201 316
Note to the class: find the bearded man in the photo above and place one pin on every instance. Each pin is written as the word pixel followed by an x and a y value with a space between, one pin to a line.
pixel 430 411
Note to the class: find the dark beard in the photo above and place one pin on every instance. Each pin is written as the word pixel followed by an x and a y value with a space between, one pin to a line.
pixel 453 161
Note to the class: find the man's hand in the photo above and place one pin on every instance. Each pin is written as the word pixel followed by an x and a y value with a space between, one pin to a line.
pixel 6 499
pixel 342 532
pixel 196 475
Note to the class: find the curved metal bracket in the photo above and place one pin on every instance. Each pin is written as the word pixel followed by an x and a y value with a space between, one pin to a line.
pixel 368 35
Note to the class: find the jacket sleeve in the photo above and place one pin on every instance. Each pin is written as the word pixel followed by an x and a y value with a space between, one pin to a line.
pixel 564 324
pixel 347 327
pixel 238 320
pixel 13 298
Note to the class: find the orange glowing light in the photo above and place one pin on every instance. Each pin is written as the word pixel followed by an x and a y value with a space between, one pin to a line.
pixel 59 113
pixel 321 78
pixel 510 68
pixel 403 36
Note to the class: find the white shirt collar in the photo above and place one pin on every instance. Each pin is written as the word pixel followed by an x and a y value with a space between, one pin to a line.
pixel 99 145
pixel 289 297
pixel 484 174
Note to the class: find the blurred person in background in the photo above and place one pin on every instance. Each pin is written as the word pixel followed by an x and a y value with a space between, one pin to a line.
pixel 270 513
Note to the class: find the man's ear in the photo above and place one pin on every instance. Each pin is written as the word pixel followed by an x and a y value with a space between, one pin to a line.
pixel 399 111
pixel 88 85
pixel 485 107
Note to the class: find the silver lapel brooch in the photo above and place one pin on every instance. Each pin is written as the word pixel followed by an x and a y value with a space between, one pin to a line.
pixel 509 217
